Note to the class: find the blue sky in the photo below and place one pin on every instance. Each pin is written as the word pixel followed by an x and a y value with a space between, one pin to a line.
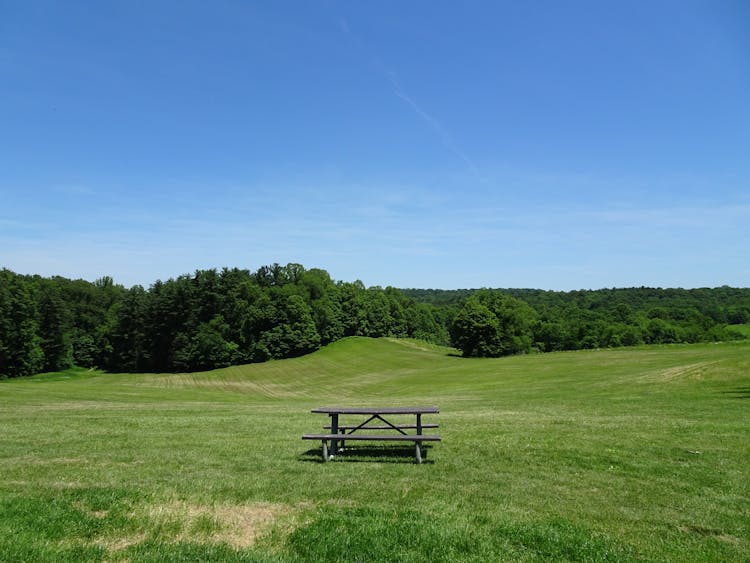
pixel 553 145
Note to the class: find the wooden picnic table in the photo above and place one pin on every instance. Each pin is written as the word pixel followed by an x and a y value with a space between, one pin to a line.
pixel 340 433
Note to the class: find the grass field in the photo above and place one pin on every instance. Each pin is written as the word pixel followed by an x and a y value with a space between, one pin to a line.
pixel 742 329
pixel 622 455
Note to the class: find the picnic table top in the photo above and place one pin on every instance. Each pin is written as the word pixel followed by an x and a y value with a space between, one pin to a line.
pixel 376 410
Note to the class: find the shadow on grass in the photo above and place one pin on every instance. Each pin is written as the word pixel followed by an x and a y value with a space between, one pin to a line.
pixel 739 393
pixel 369 454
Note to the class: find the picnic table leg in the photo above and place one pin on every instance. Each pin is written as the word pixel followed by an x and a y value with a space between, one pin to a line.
pixel 418 452
pixel 334 430
pixel 422 452
pixel 325 451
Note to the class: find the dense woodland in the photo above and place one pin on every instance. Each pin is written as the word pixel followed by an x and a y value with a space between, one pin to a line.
pixel 214 319
pixel 195 322
pixel 604 318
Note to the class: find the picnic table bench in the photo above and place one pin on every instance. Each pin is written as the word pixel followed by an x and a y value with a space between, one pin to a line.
pixel 339 434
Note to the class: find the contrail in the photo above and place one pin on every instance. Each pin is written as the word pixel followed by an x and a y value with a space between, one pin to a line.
pixel 445 138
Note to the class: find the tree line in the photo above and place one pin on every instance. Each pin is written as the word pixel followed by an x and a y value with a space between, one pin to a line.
pixel 498 322
pixel 217 318
pixel 196 322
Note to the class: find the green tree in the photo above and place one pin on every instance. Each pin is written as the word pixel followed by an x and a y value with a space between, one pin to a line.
pixel 475 330
pixel 493 324
pixel 21 353
pixel 126 337
pixel 660 331
pixel 294 333
pixel 352 301
pixel 54 328
pixel 322 295
pixel 549 336
pixel 207 349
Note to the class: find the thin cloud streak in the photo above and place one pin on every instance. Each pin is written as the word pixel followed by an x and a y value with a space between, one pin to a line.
pixel 445 137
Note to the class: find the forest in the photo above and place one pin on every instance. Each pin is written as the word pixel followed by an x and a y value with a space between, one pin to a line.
pixel 217 318
pixel 604 318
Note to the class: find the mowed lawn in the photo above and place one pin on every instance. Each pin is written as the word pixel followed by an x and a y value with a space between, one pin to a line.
pixel 613 455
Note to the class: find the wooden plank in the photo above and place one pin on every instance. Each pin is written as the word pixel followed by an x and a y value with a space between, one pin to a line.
pixel 374 437
pixel 377 410
pixel 383 427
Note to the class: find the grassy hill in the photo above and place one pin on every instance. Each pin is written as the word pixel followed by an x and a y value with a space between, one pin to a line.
pixel 629 454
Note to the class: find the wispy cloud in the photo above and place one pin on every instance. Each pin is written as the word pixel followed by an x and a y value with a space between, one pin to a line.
pixel 445 137
pixel 74 190
pixel 344 25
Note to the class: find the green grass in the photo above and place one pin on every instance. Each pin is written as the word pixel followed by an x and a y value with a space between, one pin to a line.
pixel 622 455
pixel 742 329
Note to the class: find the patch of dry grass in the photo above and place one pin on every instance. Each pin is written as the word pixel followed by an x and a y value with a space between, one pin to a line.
pixel 237 525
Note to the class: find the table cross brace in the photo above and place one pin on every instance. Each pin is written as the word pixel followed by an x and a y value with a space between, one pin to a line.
pixel 378 417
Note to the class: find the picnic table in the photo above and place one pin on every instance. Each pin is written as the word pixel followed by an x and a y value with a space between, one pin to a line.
pixel 378 419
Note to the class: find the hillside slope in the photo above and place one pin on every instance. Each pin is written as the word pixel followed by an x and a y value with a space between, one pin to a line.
pixel 361 370
pixel 616 455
